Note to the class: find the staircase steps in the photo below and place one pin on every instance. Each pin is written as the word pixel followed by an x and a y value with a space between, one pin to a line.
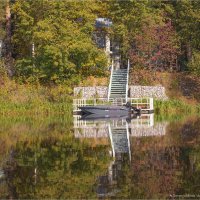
pixel 118 83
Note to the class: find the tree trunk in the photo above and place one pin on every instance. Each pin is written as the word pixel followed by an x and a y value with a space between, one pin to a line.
pixel 186 55
pixel 8 45
pixel 189 51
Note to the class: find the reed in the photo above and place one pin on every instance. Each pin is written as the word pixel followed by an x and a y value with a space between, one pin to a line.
pixel 175 107
pixel 27 99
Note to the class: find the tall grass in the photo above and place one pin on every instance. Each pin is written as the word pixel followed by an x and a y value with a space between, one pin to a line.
pixel 17 99
pixel 175 107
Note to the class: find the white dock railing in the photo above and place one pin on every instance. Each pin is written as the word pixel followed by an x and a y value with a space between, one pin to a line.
pixel 139 103
pixel 127 80
pixel 111 74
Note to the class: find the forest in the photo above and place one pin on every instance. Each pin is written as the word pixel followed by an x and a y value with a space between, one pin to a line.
pixel 154 34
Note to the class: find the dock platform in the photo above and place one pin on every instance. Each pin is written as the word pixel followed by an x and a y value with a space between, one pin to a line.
pixel 144 104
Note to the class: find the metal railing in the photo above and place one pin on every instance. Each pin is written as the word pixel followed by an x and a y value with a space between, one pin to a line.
pixel 109 89
pixel 127 80
pixel 142 103
pixel 139 103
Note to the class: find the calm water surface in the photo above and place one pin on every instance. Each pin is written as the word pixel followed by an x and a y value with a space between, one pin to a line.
pixel 71 158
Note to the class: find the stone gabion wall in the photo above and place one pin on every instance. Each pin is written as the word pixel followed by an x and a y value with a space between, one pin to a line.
pixel 91 92
pixel 157 92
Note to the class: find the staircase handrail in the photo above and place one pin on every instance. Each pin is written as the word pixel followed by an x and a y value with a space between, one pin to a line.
pixel 109 89
pixel 127 80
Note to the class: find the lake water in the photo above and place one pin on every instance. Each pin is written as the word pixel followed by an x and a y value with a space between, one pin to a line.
pixel 70 158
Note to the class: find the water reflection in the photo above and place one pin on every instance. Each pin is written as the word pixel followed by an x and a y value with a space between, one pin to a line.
pixel 151 158
pixel 119 131
pixel 103 158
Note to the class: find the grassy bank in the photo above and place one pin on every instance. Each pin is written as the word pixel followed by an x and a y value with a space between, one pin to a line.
pixel 28 99
pixel 179 85
pixel 175 107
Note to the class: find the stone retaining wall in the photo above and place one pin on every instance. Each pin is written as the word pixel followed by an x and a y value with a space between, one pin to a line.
pixel 157 92
pixel 91 92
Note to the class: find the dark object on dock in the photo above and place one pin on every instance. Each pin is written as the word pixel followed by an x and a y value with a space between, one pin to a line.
pixel 110 111
pixel 136 110
pixel 95 117
pixel 91 117
pixel 106 110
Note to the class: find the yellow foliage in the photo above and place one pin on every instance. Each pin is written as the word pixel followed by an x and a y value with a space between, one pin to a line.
pixel 93 81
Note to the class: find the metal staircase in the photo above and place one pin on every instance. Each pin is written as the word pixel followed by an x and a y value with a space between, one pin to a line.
pixel 118 87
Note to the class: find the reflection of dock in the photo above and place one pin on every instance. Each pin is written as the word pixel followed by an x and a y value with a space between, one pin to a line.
pixel 138 127
pixel 141 121
pixel 118 130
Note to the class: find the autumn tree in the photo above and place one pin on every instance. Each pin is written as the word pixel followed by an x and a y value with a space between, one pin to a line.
pixel 156 47
pixel 5 38
pixel 185 19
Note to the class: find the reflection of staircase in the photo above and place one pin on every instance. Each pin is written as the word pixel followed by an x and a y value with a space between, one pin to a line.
pixel 118 83
pixel 120 140
pixel 2 174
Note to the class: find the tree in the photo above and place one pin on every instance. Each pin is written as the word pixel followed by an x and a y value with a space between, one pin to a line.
pixel 62 34
pixel 127 18
pixel 156 47
pixel 8 44
pixel 2 25
pixel 185 18
pixel 62 37
pixel 5 36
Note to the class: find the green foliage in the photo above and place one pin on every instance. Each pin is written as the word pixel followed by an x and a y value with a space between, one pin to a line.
pixel 62 34
pixel 62 37
pixel 127 17
pixel 3 72
pixel 2 19
pixel 194 64
pixel 187 20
